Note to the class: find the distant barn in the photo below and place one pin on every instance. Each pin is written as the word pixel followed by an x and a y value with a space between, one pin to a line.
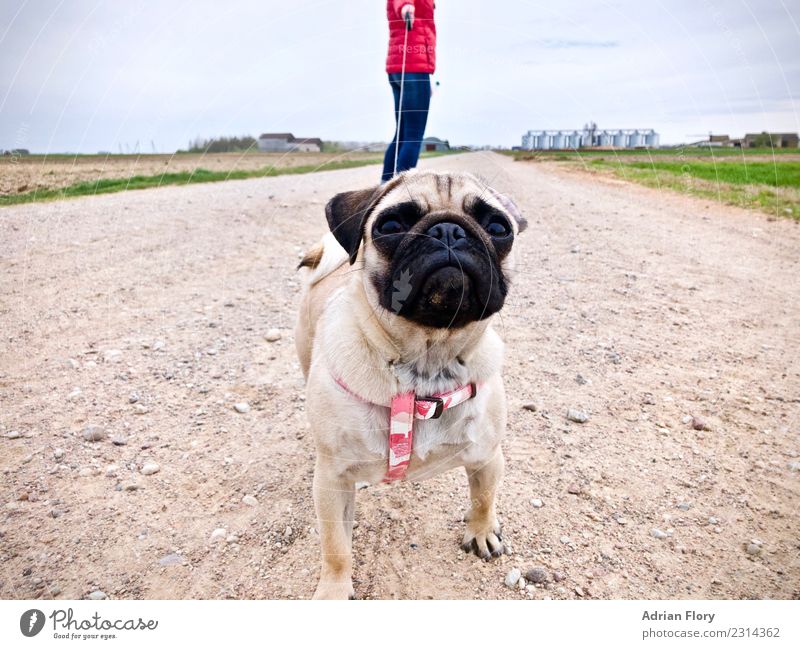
pixel 435 144
pixel 719 140
pixel 776 140
pixel 288 142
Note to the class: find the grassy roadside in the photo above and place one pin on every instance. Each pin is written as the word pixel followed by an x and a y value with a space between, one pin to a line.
pixel 758 179
pixel 198 175
pixel 772 188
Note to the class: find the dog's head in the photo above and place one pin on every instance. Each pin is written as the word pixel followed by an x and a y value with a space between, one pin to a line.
pixel 435 248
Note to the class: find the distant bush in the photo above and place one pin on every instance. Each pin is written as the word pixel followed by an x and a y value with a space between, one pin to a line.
pixel 222 144
pixel 762 140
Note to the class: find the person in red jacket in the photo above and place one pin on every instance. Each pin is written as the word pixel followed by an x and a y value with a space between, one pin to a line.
pixel 420 63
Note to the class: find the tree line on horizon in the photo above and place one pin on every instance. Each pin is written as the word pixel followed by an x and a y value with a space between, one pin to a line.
pixel 222 144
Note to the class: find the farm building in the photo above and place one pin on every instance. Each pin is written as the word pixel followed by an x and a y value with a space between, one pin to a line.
pixel 752 140
pixel 776 140
pixel 435 144
pixel 717 141
pixel 288 142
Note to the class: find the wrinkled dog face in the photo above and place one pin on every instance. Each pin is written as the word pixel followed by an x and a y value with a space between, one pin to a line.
pixel 436 246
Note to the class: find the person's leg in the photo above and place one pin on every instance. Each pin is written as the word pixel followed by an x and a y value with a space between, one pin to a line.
pixel 416 100
pixel 388 158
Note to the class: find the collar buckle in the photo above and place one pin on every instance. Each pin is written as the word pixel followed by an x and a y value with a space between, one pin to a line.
pixel 439 406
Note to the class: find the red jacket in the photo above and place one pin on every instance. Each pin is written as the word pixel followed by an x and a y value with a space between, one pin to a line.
pixel 421 48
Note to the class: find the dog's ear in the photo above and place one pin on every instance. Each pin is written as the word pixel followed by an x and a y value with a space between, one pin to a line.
pixel 347 213
pixel 511 208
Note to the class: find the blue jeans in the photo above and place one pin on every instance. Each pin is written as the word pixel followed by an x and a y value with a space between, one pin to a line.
pixel 416 100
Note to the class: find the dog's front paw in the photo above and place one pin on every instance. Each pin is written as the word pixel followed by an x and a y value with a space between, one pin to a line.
pixel 335 590
pixel 483 538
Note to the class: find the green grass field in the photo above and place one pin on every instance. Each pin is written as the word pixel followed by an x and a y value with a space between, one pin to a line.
pixel 761 179
pixel 774 174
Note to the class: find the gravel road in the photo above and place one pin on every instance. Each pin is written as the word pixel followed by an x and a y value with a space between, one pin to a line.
pixel 153 441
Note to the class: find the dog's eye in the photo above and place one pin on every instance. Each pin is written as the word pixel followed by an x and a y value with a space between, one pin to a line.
pixel 497 229
pixel 391 226
pixel 396 219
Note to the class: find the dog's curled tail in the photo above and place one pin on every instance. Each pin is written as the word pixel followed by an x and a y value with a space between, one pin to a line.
pixel 322 259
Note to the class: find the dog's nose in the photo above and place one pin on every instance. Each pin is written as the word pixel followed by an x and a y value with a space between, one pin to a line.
pixel 448 233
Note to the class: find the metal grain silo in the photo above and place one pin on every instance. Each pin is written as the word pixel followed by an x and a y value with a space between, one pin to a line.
pixel 636 139
pixel 544 140
pixel 620 140
pixel 575 140
pixel 605 139
pixel 651 140
pixel 558 140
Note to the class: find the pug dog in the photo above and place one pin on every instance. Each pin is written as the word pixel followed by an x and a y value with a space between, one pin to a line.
pixel 402 364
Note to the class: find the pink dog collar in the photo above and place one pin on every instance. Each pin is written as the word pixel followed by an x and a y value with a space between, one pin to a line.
pixel 404 408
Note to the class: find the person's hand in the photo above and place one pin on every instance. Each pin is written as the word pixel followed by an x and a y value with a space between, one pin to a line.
pixel 407 12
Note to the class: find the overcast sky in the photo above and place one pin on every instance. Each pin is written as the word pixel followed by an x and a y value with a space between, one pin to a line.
pixel 90 75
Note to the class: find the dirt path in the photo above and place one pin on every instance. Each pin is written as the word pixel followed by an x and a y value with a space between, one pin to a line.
pixel 145 313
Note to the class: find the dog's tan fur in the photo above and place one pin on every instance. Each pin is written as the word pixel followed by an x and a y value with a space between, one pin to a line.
pixel 342 331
